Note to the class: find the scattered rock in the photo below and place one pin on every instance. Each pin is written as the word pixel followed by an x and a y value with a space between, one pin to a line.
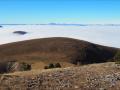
pixel 77 78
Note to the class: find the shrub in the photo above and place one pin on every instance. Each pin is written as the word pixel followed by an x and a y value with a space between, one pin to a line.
pixel 117 58
pixel 46 67
pixel 51 65
pixel 57 65
pixel 25 67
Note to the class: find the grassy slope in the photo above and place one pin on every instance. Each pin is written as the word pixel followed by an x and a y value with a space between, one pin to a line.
pixel 69 51
pixel 104 76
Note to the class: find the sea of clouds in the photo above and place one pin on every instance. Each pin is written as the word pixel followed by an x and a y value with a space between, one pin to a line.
pixel 99 34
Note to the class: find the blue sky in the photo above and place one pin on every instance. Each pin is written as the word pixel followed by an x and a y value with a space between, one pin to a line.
pixel 60 11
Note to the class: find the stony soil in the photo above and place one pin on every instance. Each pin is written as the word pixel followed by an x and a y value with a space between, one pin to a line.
pixel 104 76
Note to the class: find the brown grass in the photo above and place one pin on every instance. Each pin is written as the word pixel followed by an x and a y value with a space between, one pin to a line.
pixel 67 51
pixel 88 77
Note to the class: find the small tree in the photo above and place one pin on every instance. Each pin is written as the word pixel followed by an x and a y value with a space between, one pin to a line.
pixel 57 65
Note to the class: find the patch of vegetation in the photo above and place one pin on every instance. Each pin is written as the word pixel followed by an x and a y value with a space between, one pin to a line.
pixel 25 67
pixel 13 66
pixel 51 65
pixel 56 49
pixel 117 58
pixel 46 67
pixel 57 65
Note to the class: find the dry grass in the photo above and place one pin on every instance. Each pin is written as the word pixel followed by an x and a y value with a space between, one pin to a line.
pixel 72 54
pixel 67 51
pixel 96 68
pixel 105 76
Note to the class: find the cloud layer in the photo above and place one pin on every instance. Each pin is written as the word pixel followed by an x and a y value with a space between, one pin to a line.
pixel 104 35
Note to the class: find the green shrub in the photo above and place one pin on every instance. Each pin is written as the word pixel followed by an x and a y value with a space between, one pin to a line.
pixel 46 67
pixel 117 58
pixel 25 67
pixel 57 65
pixel 51 65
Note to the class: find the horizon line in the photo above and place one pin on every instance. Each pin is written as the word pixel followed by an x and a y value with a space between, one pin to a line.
pixel 58 24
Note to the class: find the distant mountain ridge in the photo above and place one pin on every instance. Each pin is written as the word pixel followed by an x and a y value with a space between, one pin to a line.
pixel 67 24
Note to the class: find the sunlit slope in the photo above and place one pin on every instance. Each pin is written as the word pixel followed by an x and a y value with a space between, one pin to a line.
pixel 57 49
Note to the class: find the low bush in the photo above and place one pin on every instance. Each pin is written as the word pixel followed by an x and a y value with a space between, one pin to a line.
pixel 25 67
pixel 51 65
pixel 117 58
pixel 57 65
pixel 46 67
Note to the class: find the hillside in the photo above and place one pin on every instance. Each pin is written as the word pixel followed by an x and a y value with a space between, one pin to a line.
pixel 66 51
pixel 27 59
pixel 104 76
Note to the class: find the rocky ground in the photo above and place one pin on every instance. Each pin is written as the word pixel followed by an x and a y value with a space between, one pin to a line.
pixel 104 76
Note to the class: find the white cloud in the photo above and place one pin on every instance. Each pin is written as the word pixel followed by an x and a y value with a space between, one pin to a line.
pixel 104 35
